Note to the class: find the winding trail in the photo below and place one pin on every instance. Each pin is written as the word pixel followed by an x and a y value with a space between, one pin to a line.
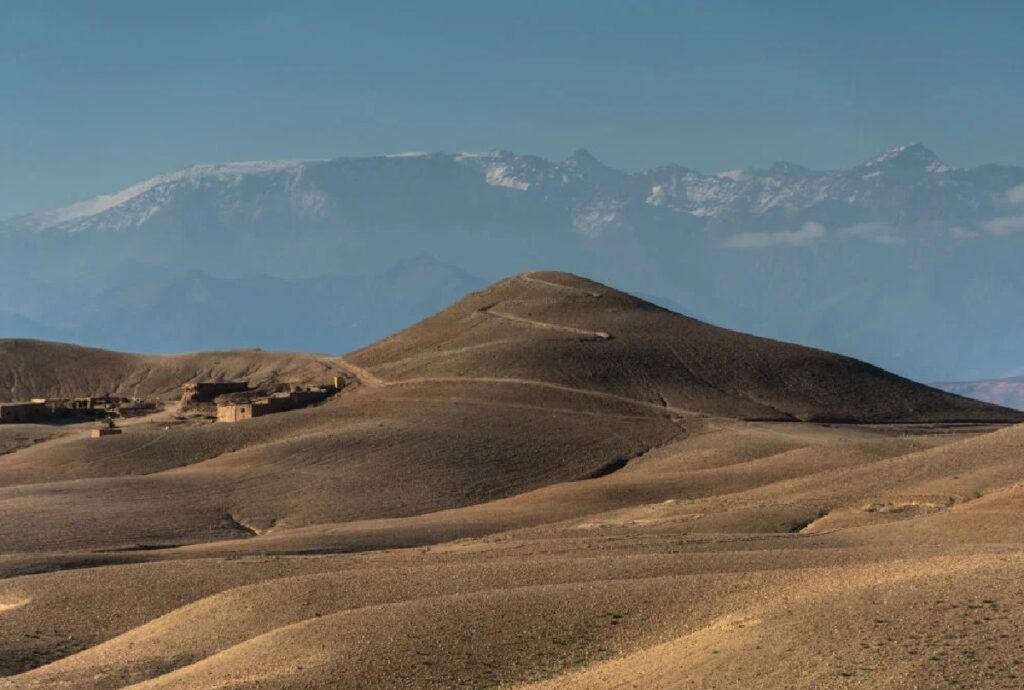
pixel 596 335
pixel 365 376
pixel 661 407
pixel 531 278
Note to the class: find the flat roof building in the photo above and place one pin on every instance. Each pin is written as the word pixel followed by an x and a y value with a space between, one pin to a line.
pixel 24 412
pixel 279 402
pixel 207 391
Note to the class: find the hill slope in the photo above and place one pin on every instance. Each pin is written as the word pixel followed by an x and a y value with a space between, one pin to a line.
pixel 568 331
pixel 581 520
pixel 36 368
pixel 543 327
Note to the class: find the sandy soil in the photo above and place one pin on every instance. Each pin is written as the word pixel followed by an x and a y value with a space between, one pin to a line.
pixel 622 498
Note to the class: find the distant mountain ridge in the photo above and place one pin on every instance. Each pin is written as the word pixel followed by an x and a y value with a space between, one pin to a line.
pixel 1007 392
pixel 596 193
pixel 903 259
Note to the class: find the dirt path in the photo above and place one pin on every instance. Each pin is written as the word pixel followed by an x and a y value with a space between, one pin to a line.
pixel 365 376
pixel 377 381
pixel 531 278
pixel 598 335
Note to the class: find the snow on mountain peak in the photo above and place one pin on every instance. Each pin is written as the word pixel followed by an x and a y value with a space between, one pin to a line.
pixel 597 196
pixel 734 175
pixel 84 210
pixel 909 156
pixel 504 168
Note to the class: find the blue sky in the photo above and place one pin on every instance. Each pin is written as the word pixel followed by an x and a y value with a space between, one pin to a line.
pixel 95 96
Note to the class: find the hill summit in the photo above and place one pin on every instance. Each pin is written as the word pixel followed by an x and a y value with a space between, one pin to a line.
pixel 550 331
pixel 561 330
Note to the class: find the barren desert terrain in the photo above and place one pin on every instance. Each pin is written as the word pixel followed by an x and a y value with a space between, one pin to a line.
pixel 550 484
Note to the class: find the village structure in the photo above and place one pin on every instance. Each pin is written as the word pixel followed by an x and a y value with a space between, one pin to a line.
pixel 233 401
pixel 193 394
pixel 24 412
pixel 242 408
pixel 109 429
pixel 43 410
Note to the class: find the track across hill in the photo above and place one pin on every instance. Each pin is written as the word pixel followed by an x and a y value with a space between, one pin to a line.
pixel 561 329
pixel 505 499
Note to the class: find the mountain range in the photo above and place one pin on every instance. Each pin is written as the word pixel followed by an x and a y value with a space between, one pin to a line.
pixel 902 260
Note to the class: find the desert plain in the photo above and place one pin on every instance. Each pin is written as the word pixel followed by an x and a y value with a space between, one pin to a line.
pixel 550 484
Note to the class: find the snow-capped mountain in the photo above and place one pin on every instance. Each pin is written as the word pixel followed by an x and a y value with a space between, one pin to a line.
pixel 901 259
pixel 903 187
pixel 135 205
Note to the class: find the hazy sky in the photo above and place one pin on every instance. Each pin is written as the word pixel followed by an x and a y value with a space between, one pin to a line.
pixel 97 95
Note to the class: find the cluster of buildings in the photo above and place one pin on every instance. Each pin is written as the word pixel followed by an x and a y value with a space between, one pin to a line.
pixel 232 411
pixel 234 401
pixel 39 410
pixel 205 392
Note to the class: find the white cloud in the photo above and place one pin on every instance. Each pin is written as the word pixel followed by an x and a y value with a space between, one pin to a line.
pixel 883 233
pixel 1016 195
pixel 962 233
pixel 1004 226
pixel 808 232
